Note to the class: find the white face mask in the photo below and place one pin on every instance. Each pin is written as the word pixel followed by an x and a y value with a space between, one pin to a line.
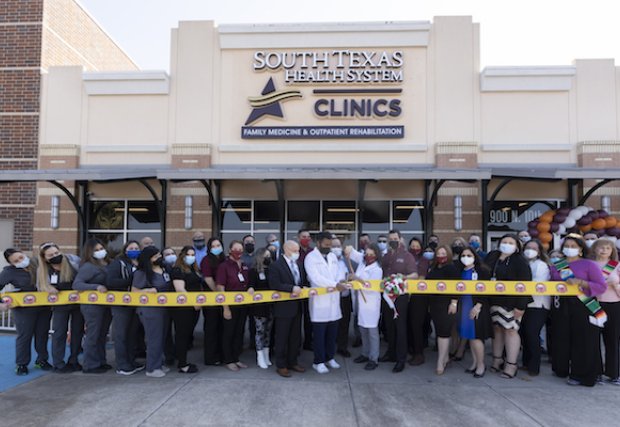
pixel 525 239
pixel 294 256
pixel 530 253
pixel 170 259
pixel 467 260
pixel 100 254
pixel 24 263
pixel 382 246
pixel 337 252
pixel 507 248
pixel 590 242
pixel 189 259
pixel 570 252
pixel 428 255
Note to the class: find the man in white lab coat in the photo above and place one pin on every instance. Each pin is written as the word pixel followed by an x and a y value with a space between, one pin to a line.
pixel 322 270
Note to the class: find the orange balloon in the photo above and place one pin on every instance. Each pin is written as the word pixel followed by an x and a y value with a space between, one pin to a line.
pixel 599 224
pixel 546 246
pixel 585 228
pixel 610 222
pixel 543 227
pixel 547 217
pixel 545 237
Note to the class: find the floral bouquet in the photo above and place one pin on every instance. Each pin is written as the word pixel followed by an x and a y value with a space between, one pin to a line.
pixel 393 286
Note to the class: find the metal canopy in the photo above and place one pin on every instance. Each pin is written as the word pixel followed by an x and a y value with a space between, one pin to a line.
pixel 80 174
pixel 556 173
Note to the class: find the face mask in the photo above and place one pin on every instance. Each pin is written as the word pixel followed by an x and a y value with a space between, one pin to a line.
pixel 133 253
pixel 305 242
pixel 199 244
pixel 428 255
pixel 415 252
pixel 159 261
pixel 369 259
pixel 530 253
pixel 100 254
pixel 189 259
pixel 571 252
pixel 382 245
pixel 337 252
pixel 474 244
pixel 217 251
pixel 590 242
pixel 236 255
pixel 325 251
pixel 267 261
pixel 507 248
pixel 394 244
pixel 467 260
pixel 442 259
pixel 525 239
pixel 170 259
pixel 249 247
pixel 432 245
pixel 275 244
pixel 457 249
pixel 24 263
pixel 294 256
pixel 55 260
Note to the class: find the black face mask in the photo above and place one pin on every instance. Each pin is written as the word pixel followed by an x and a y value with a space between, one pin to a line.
pixel 159 261
pixel 457 250
pixel 267 261
pixel 249 247
pixel 199 244
pixel 55 260
pixel 394 244
pixel 432 245
pixel 325 251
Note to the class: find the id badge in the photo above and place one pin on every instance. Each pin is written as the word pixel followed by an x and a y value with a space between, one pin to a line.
pixel 262 276
pixel 166 277
pixel 241 278
pixel 494 278
pixel 54 279
pixel 474 276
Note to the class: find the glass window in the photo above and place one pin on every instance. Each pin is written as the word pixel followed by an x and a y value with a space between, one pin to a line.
pixel 266 215
pixel 156 236
pixel 376 216
pixel 303 215
pixel 407 215
pixel 228 237
pixel 339 216
pixel 237 215
pixel 107 215
pixel 143 215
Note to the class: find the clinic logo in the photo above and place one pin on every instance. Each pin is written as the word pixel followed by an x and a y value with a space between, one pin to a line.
pixel 520 288
pixel 74 297
pixel 144 299
pixel 7 300
pixel 220 298
pixel 460 287
pixel 93 297
pixel 480 287
pixel 258 297
pixel 561 288
pixel 541 288
pixel 239 298
pixel 110 298
pixel 30 299
pixel 268 104
pixel 500 287
pixel 181 299
pixel 312 293
pixel 52 298
pixel 422 286
pixel 201 299
pixel 126 298
pixel 275 296
pixel 162 299
pixel 441 286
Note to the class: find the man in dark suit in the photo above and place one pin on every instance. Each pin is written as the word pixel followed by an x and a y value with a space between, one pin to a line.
pixel 285 275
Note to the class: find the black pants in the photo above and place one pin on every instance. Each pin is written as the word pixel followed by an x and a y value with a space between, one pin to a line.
pixel 232 334
pixel 443 321
pixel 611 338
pixel 307 325
pixel 31 322
pixel 346 307
pixel 418 310
pixel 212 335
pixel 184 321
pixel 576 342
pixel 531 325
pixel 287 340
pixel 396 329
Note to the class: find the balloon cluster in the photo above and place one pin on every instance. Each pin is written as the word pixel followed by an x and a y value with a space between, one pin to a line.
pixel 580 219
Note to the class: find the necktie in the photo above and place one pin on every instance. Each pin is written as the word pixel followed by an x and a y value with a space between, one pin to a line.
pixel 295 271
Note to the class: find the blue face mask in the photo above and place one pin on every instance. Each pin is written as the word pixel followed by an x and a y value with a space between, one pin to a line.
pixel 474 244
pixel 133 253
pixel 216 251
pixel 275 244
pixel 190 259
pixel 429 255
pixel 555 259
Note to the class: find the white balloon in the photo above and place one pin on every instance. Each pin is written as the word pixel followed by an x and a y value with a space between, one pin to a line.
pixel 561 229
pixel 569 223
pixel 583 209
pixel 575 214
pixel 618 244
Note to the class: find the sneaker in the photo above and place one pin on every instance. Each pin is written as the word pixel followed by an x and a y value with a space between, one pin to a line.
pixel 599 380
pixel 572 381
pixel 21 370
pixel 320 368
pixel 43 365
pixel 190 368
pixel 613 381
pixel 157 373
pixel 165 369
pixel 139 368
pixel 333 364
pixel 126 372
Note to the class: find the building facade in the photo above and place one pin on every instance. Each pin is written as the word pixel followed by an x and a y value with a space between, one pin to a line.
pixel 352 127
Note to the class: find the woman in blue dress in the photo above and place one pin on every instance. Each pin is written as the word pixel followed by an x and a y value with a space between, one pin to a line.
pixel 474 317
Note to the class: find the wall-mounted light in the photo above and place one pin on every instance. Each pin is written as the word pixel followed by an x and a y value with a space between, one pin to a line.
pixel 606 203
pixel 54 223
pixel 189 212
pixel 458 213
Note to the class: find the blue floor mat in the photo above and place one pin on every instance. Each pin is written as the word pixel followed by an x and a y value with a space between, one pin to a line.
pixel 8 379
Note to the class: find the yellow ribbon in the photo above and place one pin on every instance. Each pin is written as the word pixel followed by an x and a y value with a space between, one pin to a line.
pixel 210 299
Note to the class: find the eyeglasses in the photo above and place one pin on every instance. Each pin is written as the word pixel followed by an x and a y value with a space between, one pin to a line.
pixel 382 241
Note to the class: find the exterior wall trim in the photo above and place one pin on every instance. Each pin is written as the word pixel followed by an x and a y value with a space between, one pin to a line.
pixel 522 79
pixel 302 148
pixel 128 83
pixel 126 148
pixel 525 147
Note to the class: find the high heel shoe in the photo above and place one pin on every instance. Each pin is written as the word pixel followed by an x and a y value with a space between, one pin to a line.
pixel 477 375
pixel 455 358
pixel 439 371
pixel 506 374
pixel 498 368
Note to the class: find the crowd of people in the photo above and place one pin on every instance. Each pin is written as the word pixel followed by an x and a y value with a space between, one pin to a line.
pixel 569 329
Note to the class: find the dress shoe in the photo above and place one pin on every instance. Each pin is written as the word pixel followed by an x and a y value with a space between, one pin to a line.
pixel 371 366
pixel 283 372
pixel 344 353
pixel 97 370
pixel 298 368
pixel 417 360
pixel 360 359
pixel 477 375
pixel 387 358
pixel 398 367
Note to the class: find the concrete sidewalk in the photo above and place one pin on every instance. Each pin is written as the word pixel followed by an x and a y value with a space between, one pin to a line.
pixel 349 396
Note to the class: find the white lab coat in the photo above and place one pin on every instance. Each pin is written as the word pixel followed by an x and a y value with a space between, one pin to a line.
pixel 369 310
pixel 323 274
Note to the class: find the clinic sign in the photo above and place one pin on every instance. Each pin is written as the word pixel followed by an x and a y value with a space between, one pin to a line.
pixel 335 85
